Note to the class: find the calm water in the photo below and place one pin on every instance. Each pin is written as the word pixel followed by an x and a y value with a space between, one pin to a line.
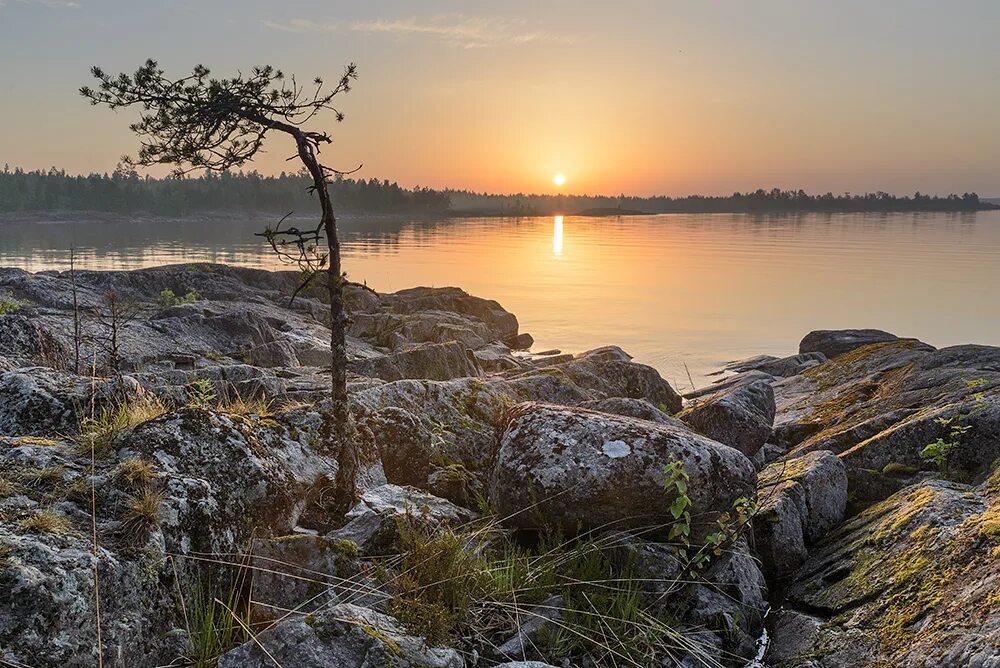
pixel 670 289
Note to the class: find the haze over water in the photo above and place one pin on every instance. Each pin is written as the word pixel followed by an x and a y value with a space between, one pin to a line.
pixel 669 289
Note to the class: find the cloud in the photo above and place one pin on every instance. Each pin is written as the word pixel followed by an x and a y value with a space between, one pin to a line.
pixel 59 4
pixel 457 31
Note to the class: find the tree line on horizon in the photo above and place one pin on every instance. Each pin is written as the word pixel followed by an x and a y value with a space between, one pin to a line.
pixel 125 191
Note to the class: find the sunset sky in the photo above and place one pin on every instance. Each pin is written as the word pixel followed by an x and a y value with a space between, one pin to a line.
pixel 637 97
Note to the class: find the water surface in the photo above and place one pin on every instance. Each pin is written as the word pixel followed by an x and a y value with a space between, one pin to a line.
pixel 676 289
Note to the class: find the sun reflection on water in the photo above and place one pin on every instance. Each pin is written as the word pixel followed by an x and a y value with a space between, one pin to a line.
pixel 557 237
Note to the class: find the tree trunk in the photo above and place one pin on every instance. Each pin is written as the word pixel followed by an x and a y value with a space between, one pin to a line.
pixel 340 424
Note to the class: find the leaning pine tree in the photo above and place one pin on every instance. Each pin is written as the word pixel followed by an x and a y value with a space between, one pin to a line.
pixel 203 123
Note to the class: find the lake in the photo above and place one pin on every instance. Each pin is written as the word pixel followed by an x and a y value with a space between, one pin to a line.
pixel 673 290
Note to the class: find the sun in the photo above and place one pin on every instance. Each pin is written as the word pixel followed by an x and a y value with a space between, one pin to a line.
pixel 559 179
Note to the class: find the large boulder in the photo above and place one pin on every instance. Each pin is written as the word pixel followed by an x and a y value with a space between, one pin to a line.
pixel 577 470
pixel 343 635
pixel 24 340
pixel 800 500
pixel 781 367
pixel 881 405
pixel 741 417
pixel 911 582
pixel 833 343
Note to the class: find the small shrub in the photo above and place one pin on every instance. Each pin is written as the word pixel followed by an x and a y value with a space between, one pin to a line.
pixel 201 393
pixel 142 514
pixel 47 522
pixel 433 590
pixel 168 298
pixel 135 473
pixel 8 304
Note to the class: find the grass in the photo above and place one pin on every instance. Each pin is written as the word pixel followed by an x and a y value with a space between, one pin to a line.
pixel 45 476
pixel 240 406
pixel 142 514
pixel 135 473
pixel 100 432
pixel 47 522
pixel 446 589
pixel 216 621
pixel 7 488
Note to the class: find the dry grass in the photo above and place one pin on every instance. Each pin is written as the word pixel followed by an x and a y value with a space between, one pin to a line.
pixel 45 476
pixel 142 514
pixel 7 488
pixel 135 473
pixel 47 522
pixel 240 406
pixel 98 433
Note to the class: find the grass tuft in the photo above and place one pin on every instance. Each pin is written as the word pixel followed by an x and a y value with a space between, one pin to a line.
pixel 47 522
pixel 135 473
pixel 100 432
pixel 142 514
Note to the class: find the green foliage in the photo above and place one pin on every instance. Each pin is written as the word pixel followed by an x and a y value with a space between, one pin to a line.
pixel 437 577
pixel 201 393
pixel 676 481
pixel 217 622
pixel 9 304
pixel 168 298
pixel 941 449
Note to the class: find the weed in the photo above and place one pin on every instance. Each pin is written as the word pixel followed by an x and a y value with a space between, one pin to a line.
pixel 47 522
pixel 201 393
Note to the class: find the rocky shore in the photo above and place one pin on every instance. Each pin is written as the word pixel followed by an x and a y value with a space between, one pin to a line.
pixel 163 488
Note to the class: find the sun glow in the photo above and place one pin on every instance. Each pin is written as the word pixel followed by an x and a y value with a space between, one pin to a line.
pixel 559 179
pixel 557 237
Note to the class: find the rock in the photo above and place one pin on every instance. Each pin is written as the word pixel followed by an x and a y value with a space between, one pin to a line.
pixel 404 445
pixel 836 342
pixel 496 357
pixel 25 341
pixel 800 500
pixel 522 341
pixel 38 401
pixel 373 524
pixel 656 566
pixel 611 371
pixel 436 361
pixel 910 582
pixel 343 635
pixel 524 664
pixel 635 408
pixel 501 323
pixel 792 634
pixel 459 485
pixel 741 417
pixel 880 405
pixel 775 366
pixel 576 470
pixel 730 599
pixel 534 622
pixel 300 572
pixel 225 480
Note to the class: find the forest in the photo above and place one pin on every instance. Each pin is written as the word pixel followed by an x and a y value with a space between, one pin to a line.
pixel 125 191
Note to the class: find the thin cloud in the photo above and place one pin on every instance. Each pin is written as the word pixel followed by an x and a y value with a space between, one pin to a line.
pixel 57 4
pixel 457 31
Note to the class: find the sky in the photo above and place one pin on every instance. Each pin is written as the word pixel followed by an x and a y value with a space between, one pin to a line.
pixel 641 97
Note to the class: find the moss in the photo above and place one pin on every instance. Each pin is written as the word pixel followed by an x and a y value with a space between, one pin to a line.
pixel 388 642
pixel 896 468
